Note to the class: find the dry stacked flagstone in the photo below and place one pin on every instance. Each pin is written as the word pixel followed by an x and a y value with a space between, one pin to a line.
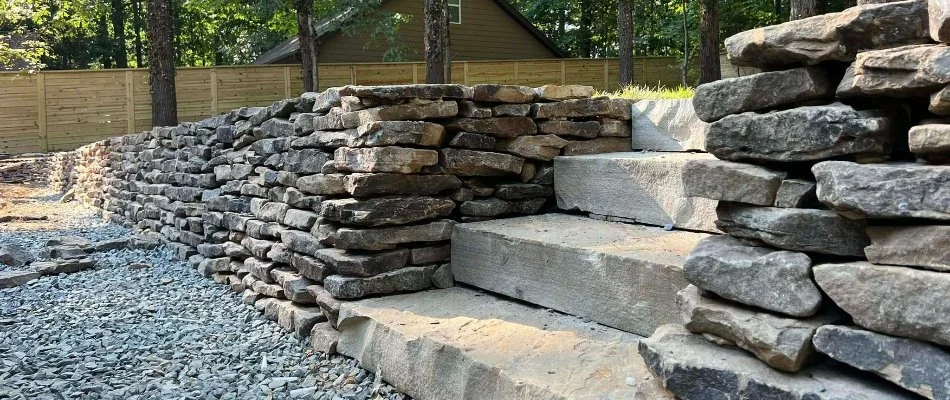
pixel 834 192
pixel 344 194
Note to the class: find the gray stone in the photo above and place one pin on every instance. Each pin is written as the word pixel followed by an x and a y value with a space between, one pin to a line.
pixel 442 277
pixel 431 254
pixel 364 263
pixel 536 147
pixel 396 133
pixel 775 280
pixel 801 134
pixel 495 350
pixel 511 110
pixel 415 91
pixel 500 127
pixel 503 93
pixel 624 276
pixel 940 102
pixel 914 365
pixel 9 279
pixel 479 163
pixel 384 159
pixel 493 207
pixel 798 229
pixel 388 238
pixel 646 187
pixel 795 193
pixel 474 141
pixel 666 125
pixel 931 141
pixel 385 211
pixel 832 36
pixel 596 146
pixel 581 108
pixel 917 70
pixel 514 191
pixel 305 161
pixel 415 110
pixel 760 92
pixel 402 280
pixel 469 109
pixel 897 301
pixel 899 190
pixel 322 184
pixel 367 185
pixel 926 246
pixel 300 219
pixel 695 369
pixel 939 18
pixel 14 255
pixel 731 181
pixel 324 338
pixel 582 129
pixel 782 343
pixel 564 92
pixel 309 267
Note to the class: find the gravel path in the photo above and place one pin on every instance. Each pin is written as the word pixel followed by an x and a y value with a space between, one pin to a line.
pixel 142 325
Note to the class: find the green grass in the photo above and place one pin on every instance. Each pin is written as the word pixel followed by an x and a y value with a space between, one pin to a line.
pixel 651 93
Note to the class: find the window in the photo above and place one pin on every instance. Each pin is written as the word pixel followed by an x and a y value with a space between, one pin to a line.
pixel 455 11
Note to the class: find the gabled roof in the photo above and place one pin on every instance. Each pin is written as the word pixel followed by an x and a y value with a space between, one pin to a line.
pixel 330 25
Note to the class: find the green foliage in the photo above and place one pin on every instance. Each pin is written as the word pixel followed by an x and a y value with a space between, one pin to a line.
pixel 638 92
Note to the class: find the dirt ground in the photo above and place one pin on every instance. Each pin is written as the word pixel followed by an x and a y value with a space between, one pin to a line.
pixel 24 206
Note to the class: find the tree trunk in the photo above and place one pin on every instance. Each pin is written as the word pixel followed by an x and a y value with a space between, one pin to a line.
pixel 308 47
pixel 161 63
pixel 684 70
pixel 585 29
pixel 436 33
pixel 119 52
pixel 105 44
pixel 625 23
pixel 137 27
pixel 709 69
pixel 799 9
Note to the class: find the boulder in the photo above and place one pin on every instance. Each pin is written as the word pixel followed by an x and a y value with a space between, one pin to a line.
pixel 917 366
pixel 798 229
pixel 322 184
pixel 893 300
pixel 442 277
pixel 384 159
pixel 926 246
pixel 398 133
pixel 407 279
pixel 761 91
pixel 665 125
pixel 388 238
pixel 564 92
pixel 782 343
pixel 363 264
pixel 479 163
pixel 931 141
pixel 908 71
pixel 695 369
pixel 385 211
pixel 775 280
pixel 324 338
pixel 585 108
pixel 368 185
pixel 731 181
pixel 503 93
pixel 800 134
pixel 500 127
pixel 535 147
pixel 9 279
pixel 898 190
pixel 832 36
pixel 15 256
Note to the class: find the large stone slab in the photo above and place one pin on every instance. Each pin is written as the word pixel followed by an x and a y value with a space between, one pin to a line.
pixel 480 163
pixel 667 125
pixel 385 210
pixel 916 70
pixel 800 134
pixel 695 369
pixel 899 190
pixel 384 159
pixel 832 36
pixel 760 91
pixel 536 147
pixel 926 246
pixel 897 301
pixel 732 181
pixel 775 280
pixel 798 229
pixel 397 133
pixel 406 279
pixel 436 345
pixel 388 238
pixel 368 185
pixel 782 343
pixel 624 276
pixel 646 187
pixel 914 365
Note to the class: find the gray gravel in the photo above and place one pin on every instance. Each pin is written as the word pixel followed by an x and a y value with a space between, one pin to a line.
pixel 124 331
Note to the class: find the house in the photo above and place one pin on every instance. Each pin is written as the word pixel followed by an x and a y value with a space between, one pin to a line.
pixel 480 30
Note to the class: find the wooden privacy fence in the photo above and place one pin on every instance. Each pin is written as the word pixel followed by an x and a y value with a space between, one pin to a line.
pixel 62 110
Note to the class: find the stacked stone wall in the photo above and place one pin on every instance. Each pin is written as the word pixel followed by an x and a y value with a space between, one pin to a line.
pixel 343 194
pixel 834 193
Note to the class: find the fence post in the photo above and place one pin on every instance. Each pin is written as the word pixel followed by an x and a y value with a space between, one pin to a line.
pixel 41 109
pixel 214 92
pixel 563 72
pixel 130 101
pixel 287 92
pixel 606 76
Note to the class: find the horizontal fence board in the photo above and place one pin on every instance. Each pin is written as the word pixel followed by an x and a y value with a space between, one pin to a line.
pixel 62 110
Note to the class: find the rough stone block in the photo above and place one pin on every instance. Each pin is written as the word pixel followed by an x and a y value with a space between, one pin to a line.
pixel 666 125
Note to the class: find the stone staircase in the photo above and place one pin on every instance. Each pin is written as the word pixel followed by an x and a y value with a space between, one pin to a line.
pixel 567 296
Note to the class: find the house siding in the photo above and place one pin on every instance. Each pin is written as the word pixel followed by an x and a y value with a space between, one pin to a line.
pixel 487 32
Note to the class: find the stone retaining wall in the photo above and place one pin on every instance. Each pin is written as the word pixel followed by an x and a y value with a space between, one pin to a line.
pixel 835 194
pixel 344 194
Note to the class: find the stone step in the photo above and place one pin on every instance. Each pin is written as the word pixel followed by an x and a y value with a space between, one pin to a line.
pixel 620 275
pixel 462 344
pixel 643 187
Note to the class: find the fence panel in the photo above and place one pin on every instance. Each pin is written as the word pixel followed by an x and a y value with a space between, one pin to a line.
pixel 62 110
